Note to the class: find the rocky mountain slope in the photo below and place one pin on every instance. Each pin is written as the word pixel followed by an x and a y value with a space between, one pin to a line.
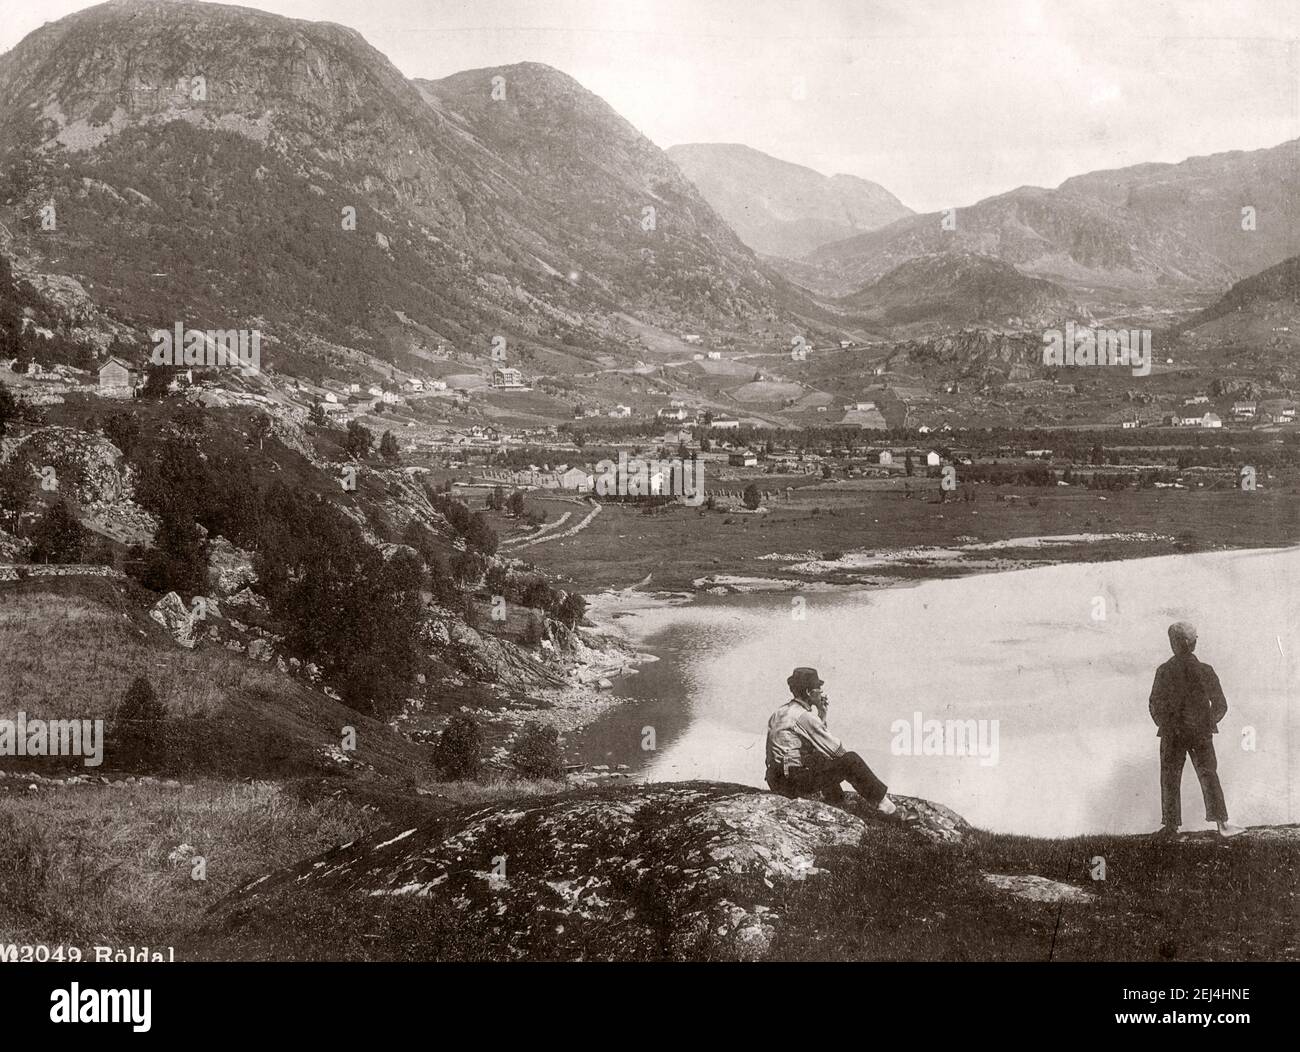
pixel 780 208
pixel 959 289
pixel 203 159
pixel 1150 233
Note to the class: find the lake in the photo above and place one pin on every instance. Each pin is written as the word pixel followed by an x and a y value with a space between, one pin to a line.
pixel 1056 661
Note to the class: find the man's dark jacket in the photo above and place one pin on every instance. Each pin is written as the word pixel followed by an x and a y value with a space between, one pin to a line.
pixel 1186 699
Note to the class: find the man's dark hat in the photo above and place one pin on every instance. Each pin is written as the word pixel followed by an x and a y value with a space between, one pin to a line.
pixel 802 679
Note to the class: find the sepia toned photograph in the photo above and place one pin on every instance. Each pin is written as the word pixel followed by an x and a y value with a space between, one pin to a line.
pixel 714 481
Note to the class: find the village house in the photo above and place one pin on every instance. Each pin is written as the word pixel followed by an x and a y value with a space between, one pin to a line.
pixel 507 379
pixel 722 422
pixel 1211 420
pixel 932 459
pixel 577 480
pixel 886 458
pixel 675 413
pixel 743 458
pixel 621 412
pixel 715 355
pixel 691 338
pixel 118 378
pixel 1244 410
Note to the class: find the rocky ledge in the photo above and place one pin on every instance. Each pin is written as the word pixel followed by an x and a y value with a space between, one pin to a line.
pixel 692 869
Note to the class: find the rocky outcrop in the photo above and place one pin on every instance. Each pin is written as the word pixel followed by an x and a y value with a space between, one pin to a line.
pixel 230 568
pixel 685 870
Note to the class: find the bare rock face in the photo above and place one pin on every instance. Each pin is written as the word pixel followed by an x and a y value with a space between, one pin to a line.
pixel 1034 888
pixel 677 870
pixel 171 612
pixel 230 568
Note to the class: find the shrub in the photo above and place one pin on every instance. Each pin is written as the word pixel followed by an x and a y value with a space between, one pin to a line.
pixel 456 752
pixel 136 728
pixel 536 752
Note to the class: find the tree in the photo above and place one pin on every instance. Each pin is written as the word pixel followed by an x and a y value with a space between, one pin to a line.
pixel 456 753
pixel 57 536
pixel 496 499
pixel 517 503
pixel 8 409
pixel 15 491
pixel 358 440
pixel 536 752
pixel 136 735
pixel 157 381
pixel 388 448
pixel 753 498
pixel 572 609
pixel 907 465
pixel 261 426
pixel 480 536
pixel 123 430
pixel 316 416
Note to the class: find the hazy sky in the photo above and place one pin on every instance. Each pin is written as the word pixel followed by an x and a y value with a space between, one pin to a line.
pixel 941 101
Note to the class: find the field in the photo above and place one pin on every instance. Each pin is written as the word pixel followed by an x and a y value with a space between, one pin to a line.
pixel 677 546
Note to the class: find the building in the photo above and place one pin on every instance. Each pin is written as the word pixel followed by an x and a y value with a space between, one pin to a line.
pixel 742 459
pixel 1211 420
pixel 1244 410
pixel 722 422
pixel 118 378
pixel 672 414
pixel 691 337
pixel 577 480
pixel 886 458
pixel 621 412
pixel 715 356
pixel 932 459
pixel 507 379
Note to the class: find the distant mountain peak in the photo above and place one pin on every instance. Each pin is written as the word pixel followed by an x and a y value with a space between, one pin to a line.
pixel 781 208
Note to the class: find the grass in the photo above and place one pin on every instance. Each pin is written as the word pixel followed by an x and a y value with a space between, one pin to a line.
pixel 1199 899
pixel 70 649
pixel 621 545
pixel 90 863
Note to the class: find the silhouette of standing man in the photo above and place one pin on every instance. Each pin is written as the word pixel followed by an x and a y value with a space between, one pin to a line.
pixel 1187 704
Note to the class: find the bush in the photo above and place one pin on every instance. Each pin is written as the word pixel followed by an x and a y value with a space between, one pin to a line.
pixel 536 752
pixel 58 536
pixel 136 729
pixel 456 752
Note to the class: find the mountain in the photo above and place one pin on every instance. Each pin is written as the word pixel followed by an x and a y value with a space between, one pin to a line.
pixel 1153 233
pixel 224 201
pixel 960 289
pixel 1259 315
pixel 779 208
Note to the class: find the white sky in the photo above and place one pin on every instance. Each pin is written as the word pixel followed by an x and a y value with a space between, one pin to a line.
pixel 943 102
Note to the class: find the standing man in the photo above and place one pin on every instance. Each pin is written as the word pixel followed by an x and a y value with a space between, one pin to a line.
pixel 803 757
pixel 1187 704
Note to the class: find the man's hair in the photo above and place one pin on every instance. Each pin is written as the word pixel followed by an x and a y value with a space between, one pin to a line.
pixel 1182 637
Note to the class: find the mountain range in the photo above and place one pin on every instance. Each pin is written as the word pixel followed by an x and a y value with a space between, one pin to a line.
pixel 783 209
pixel 223 166
pixel 1155 234
pixel 169 160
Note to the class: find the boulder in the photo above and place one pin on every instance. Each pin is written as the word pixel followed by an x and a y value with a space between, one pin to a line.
pixel 172 613
pixel 686 870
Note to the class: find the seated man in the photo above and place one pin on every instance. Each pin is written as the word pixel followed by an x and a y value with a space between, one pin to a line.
pixel 804 758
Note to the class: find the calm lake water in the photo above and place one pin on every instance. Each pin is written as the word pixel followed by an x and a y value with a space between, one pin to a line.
pixel 1076 749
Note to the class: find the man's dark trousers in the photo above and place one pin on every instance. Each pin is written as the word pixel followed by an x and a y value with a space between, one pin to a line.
pixel 826 777
pixel 1174 751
